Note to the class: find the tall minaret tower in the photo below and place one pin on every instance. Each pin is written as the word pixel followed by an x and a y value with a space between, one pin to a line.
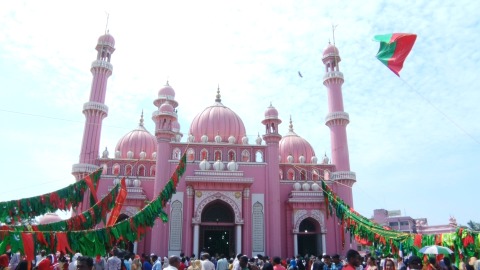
pixel 272 197
pixel 337 120
pixel 164 117
pixel 95 110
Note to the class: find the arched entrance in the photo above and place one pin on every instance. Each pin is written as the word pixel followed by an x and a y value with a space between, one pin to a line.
pixel 217 235
pixel 309 238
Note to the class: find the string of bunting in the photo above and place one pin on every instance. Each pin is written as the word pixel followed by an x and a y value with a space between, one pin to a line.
pixel 86 220
pixel 96 241
pixel 62 199
pixel 463 242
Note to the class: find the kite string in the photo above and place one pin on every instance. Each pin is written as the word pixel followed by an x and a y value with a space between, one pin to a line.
pixel 441 112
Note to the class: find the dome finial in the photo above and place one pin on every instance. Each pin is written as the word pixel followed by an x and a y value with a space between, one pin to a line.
pixel 141 119
pixel 271 104
pixel 290 127
pixel 167 84
pixel 218 97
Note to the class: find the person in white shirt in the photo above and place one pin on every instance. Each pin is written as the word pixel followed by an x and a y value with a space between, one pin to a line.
pixel 206 263
pixel 173 263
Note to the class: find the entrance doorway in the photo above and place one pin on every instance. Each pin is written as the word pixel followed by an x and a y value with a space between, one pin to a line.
pixel 217 235
pixel 309 238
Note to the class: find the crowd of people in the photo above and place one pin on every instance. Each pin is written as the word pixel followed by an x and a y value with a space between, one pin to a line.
pixel 117 260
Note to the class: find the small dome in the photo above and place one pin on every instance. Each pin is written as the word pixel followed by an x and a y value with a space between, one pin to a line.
pixel 290 159
pixel 330 50
pixel 204 165
pixel 137 182
pixel 258 140
pixel 106 39
pixel 154 155
pixel 191 138
pixel 301 159
pixel 105 153
pixel 232 166
pixel 128 182
pixel 232 140
pixel 245 140
pixel 166 108
pixel 306 186
pixel 136 141
pixel 294 145
pixel 271 112
pixel 166 92
pixel 297 186
pixel 49 218
pixel 218 139
pixel 116 181
pixel 143 155
pixel 217 120
pixel 218 165
pixel 314 160
pixel 315 187
pixel 204 138
pixel 325 159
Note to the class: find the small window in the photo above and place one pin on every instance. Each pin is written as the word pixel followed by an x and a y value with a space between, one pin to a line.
pixel 245 156
pixel 303 175
pixel 280 174
pixel 218 155
pixel 141 170
pixel 393 224
pixel 231 155
pixel 204 154
pixel 116 169
pixel 176 154
pixel 190 154
pixel 152 170
pixel 291 174
pixel 128 170
pixel 315 175
pixel 259 156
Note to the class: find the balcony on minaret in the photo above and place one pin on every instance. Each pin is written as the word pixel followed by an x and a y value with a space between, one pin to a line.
pixel 337 75
pixel 337 118
pixel 102 64
pixel 345 177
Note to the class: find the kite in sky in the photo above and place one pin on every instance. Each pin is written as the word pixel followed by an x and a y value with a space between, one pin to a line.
pixel 394 48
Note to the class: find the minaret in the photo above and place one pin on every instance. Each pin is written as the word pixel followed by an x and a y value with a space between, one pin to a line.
pixel 272 197
pixel 164 119
pixel 95 110
pixel 337 120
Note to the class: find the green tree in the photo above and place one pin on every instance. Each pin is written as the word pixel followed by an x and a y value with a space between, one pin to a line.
pixel 474 226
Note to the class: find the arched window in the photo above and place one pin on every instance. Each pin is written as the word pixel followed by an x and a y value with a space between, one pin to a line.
pixel 128 170
pixel 280 174
pixel 218 155
pixel 315 175
pixel 141 170
pixel 204 154
pixel 176 155
pixel 259 156
pixel 291 174
pixel 116 169
pixel 104 168
pixel 245 156
pixel 190 154
pixel 303 175
pixel 152 170
pixel 231 155
pixel 326 175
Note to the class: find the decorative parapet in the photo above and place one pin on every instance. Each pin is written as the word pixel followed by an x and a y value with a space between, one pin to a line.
pixel 159 113
pixel 84 168
pixel 337 116
pixel 102 64
pixel 343 175
pixel 233 180
pixel 97 106
pixel 218 173
pixel 333 75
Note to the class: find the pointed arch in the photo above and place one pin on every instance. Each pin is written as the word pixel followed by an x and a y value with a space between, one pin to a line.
pixel 259 156
pixel 303 175
pixel 204 154
pixel 245 155
pixel 176 223
pixel 218 155
pixel 128 170
pixel 116 169
pixel 315 175
pixel 152 170
pixel 176 154
pixel 291 174
pixel 218 196
pixel 141 170
pixel 190 155
pixel 232 155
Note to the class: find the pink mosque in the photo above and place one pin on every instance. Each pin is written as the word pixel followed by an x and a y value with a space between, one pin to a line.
pixel 260 197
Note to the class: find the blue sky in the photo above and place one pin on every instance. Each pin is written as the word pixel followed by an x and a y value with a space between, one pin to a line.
pixel 414 141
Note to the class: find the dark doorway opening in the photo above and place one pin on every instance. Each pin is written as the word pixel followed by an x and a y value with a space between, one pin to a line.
pixel 308 235
pixel 217 235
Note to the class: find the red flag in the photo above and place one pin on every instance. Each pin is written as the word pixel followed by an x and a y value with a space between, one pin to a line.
pixel 122 195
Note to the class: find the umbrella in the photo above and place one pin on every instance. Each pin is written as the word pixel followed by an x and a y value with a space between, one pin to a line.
pixel 435 250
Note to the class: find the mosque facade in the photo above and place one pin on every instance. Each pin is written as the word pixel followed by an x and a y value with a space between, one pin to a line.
pixel 236 196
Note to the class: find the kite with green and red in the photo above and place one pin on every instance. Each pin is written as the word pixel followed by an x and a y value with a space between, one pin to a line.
pixel 394 49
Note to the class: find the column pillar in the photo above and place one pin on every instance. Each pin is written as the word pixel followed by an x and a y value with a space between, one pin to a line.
pixel 187 241
pixel 135 247
pixel 238 238
pixel 324 243
pixel 196 238
pixel 295 244
pixel 247 223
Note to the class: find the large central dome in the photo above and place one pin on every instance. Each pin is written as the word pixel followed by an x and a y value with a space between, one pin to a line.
pixel 217 120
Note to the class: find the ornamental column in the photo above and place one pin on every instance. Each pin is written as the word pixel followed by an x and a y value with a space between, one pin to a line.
pixel 187 241
pixel 247 223
pixel 95 111
pixel 164 117
pixel 272 183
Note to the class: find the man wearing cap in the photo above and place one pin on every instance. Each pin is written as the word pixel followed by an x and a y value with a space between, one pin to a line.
pixel 206 263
